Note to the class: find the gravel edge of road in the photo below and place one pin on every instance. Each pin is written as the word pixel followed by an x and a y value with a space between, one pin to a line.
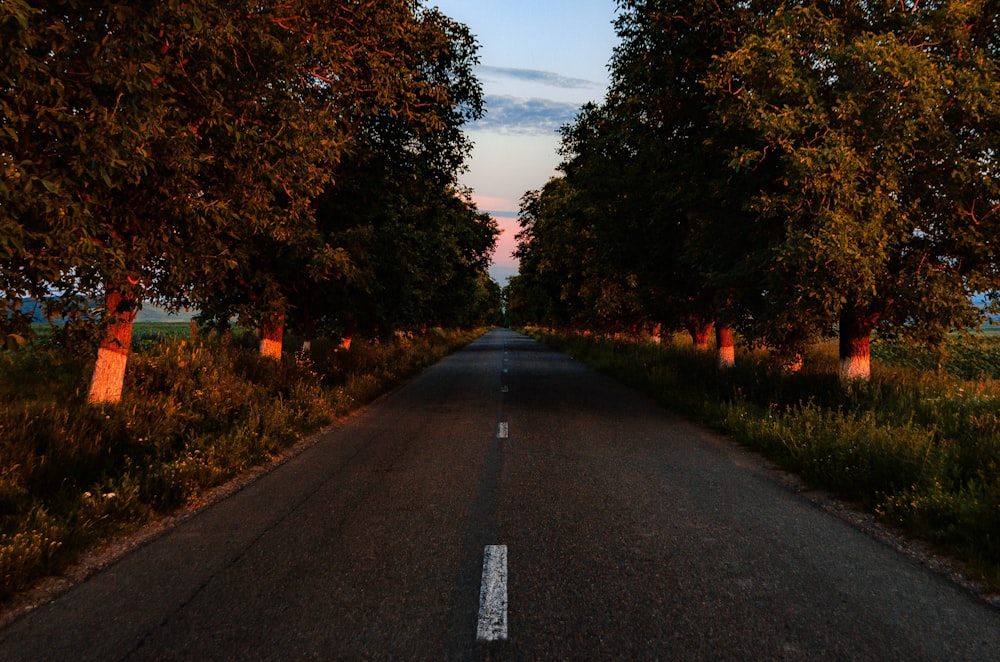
pixel 917 551
pixel 94 561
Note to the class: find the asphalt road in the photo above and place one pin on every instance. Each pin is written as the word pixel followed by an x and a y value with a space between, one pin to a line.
pixel 629 534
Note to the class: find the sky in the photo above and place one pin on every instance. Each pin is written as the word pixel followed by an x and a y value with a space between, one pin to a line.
pixel 540 61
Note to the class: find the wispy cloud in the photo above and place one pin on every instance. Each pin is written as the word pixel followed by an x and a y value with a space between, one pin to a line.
pixel 507 114
pixel 548 78
pixel 487 203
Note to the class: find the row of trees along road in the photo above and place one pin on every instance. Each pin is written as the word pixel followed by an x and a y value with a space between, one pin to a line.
pixel 790 169
pixel 291 163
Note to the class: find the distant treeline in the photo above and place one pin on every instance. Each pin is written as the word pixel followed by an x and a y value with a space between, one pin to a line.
pixel 148 313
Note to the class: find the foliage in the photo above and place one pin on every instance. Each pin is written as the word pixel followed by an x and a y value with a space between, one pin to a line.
pixel 966 356
pixel 920 450
pixel 404 106
pixel 552 250
pixel 196 413
pixel 797 170
pixel 878 129
pixel 420 254
pixel 174 153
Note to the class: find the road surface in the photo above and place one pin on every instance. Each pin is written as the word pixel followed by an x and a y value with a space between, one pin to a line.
pixel 511 504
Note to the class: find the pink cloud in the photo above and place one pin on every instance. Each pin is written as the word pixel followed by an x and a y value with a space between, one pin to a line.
pixel 487 203
pixel 503 256
pixel 506 243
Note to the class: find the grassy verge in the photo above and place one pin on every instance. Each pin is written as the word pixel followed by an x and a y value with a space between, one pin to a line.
pixel 195 414
pixel 919 444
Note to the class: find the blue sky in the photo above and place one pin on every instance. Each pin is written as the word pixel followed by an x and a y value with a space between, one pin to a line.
pixel 540 61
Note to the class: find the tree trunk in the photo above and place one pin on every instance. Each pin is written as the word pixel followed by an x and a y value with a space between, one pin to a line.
pixel 112 354
pixel 350 326
pixel 309 332
pixel 792 364
pixel 726 346
pixel 855 344
pixel 701 333
pixel 656 335
pixel 271 331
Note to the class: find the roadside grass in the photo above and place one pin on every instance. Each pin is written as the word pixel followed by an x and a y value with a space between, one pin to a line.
pixel 918 445
pixel 195 414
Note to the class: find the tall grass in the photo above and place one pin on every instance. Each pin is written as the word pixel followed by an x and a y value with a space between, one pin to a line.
pixel 196 413
pixel 919 444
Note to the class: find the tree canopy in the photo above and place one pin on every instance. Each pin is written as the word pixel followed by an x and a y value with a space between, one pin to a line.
pixel 795 169
pixel 176 152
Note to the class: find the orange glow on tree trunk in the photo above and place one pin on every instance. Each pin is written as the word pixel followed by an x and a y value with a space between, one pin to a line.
pixel 855 344
pixel 701 333
pixel 271 333
pixel 726 345
pixel 112 354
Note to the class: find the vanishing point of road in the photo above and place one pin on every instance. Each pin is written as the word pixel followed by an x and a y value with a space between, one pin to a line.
pixel 509 503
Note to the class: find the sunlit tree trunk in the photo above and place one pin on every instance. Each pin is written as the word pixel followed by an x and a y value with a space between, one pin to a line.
pixel 725 344
pixel 855 344
pixel 112 354
pixel 272 330
pixel 350 326
pixel 792 364
pixel 309 333
pixel 701 333
pixel 656 335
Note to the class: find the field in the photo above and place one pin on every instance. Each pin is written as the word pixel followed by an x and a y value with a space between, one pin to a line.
pixel 919 445
pixel 196 413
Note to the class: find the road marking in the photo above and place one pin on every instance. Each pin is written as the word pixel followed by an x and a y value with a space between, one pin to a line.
pixel 502 430
pixel 505 389
pixel 492 624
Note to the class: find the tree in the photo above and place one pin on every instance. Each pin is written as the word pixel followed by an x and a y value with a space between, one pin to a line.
pixel 879 121
pixel 786 169
pixel 394 88
pixel 172 151
pixel 420 251
pixel 552 246
pixel 654 204
pixel 101 164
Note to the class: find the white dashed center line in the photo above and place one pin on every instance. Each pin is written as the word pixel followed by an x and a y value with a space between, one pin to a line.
pixel 502 430
pixel 493 595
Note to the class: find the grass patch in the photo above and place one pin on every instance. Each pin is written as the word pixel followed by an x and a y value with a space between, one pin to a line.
pixel 919 444
pixel 196 413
